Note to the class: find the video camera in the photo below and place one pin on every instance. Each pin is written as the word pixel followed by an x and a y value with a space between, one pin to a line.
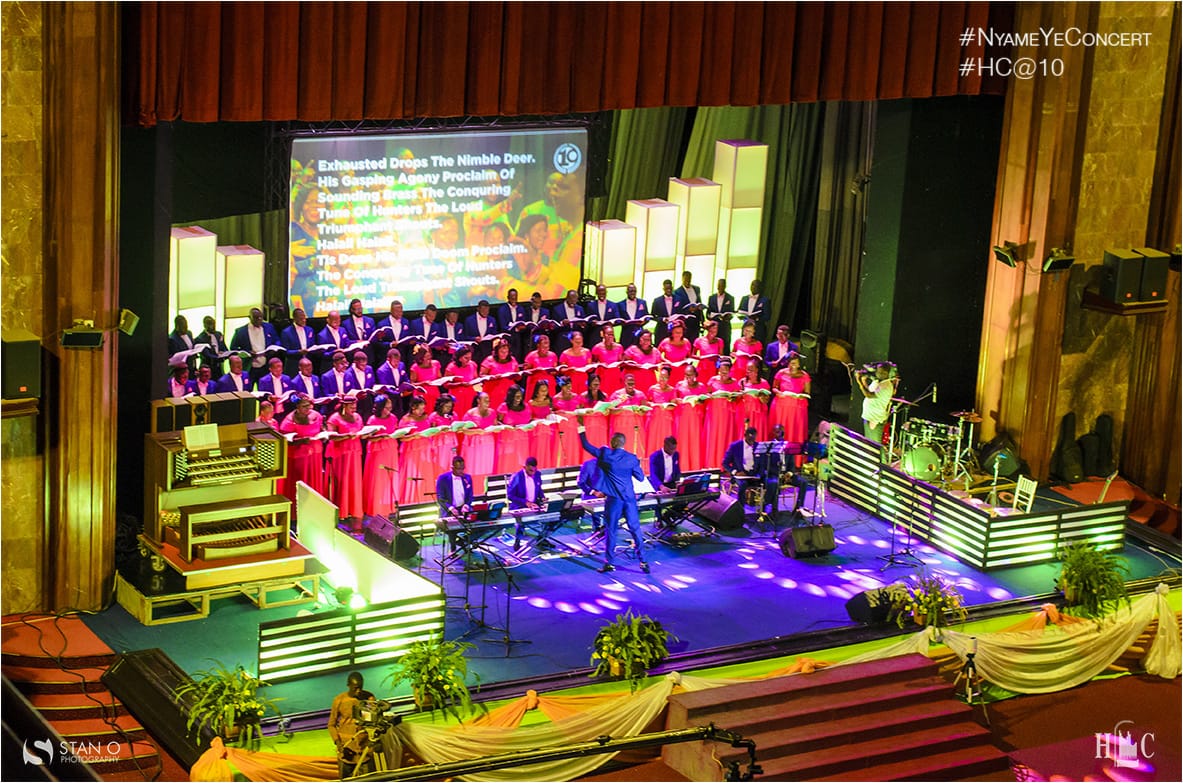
pixel 376 716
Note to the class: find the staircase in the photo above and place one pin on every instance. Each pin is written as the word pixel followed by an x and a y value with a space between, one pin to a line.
pixel 894 719
pixel 56 664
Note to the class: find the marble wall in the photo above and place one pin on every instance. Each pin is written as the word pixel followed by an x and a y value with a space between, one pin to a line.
pixel 22 454
pixel 1124 109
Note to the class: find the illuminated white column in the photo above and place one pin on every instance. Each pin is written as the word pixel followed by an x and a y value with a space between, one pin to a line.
pixel 191 283
pixel 238 271
pixel 739 238
pixel 657 241
pixel 741 169
pixel 698 217
pixel 611 252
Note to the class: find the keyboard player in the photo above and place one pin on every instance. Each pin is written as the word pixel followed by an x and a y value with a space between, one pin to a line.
pixel 453 491
pixel 665 471
pixel 589 488
pixel 525 492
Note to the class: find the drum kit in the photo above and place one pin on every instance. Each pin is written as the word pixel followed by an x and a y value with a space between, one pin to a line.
pixel 932 451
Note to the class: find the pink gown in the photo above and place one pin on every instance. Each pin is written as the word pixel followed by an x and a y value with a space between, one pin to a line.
pixel 791 412
pixel 463 390
pixel 595 423
pixel 690 429
pixel 718 423
pixel 755 410
pixel 542 436
pixel 567 448
pixel 305 460
pixel 497 389
pixel 540 367
pixel 708 353
pixel 513 445
pixel 444 444
pixel 630 423
pixel 345 467
pixel 380 477
pixel 417 460
pixel 610 377
pixel 671 352
pixel 662 422
pixel 741 353
pixel 578 379
pixel 643 366
pixel 479 448
pixel 419 375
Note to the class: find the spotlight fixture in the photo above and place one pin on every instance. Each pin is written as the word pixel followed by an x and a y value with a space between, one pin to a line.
pixel 82 336
pixel 1058 260
pixel 128 321
pixel 1007 253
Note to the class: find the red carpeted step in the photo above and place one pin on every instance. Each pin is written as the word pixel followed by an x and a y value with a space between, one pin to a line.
pixel 949 765
pixel 858 756
pixel 37 679
pixel 75 706
pixel 100 729
pixel 38 640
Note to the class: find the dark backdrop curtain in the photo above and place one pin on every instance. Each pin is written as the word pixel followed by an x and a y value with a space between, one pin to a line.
pixel 266 231
pixel 645 151
pixel 318 61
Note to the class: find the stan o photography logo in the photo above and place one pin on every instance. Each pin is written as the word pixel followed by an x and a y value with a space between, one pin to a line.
pixel 37 759
pixel 1125 749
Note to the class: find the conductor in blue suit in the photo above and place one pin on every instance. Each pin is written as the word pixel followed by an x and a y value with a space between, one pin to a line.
pixel 453 491
pixel 618 468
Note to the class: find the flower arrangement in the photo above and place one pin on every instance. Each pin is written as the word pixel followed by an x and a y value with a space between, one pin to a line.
pixel 1090 579
pixel 629 646
pixel 226 701
pixel 930 602
pixel 437 670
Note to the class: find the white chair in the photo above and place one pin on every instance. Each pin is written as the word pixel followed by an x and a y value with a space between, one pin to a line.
pixel 1024 494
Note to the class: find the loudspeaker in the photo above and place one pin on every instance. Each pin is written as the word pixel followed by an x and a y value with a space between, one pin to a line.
pixel 807 541
pixel 1121 280
pixel 1155 263
pixel 21 369
pixel 873 606
pixel 386 537
pixel 144 681
pixel 725 512
pixel 224 408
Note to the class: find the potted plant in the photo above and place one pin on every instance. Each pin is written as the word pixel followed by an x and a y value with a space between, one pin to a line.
pixel 226 701
pixel 629 646
pixel 436 670
pixel 1090 578
pixel 930 602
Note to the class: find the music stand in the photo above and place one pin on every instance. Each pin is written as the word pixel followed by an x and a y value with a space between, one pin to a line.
pixel 904 556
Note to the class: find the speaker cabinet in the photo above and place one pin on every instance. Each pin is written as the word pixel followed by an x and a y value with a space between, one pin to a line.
pixel 873 606
pixel 1155 264
pixel 1121 281
pixel 807 541
pixel 144 681
pixel 21 368
pixel 389 538
pixel 724 512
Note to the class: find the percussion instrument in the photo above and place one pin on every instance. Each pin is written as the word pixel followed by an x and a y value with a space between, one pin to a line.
pixel 920 431
pixel 924 461
pixel 754 496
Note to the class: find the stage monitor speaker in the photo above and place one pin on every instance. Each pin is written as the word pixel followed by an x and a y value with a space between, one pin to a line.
pixel 21 369
pixel 1155 264
pixel 873 606
pixel 145 681
pixel 250 406
pixel 224 408
pixel 724 512
pixel 389 538
pixel 1121 280
pixel 807 541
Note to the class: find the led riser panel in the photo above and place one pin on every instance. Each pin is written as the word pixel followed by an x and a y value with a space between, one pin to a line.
pixel 738 245
pixel 698 217
pixel 191 279
pixel 657 233
pixel 611 252
pixel 703 269
pixel 239 272
pixel 740 168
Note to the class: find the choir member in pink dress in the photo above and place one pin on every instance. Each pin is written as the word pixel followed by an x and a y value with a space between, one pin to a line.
pixel 567 431
pixel 425 369
pixel 543 435
pixel 754 408
pixel 345 465
pixel 305 457
pixel 464 370
pixel 629 423
pixel 417 457
pixel 642 360
pixel 478 446
pixel 499 363
pixel 608 352
pixel 661 418
pixel 540 362
pixel 708 348
pixel 267 414
pixel 596 423
pixel 513 445
pixel 719 418
pixel 674 349
pixel 444 444
pixel 380 477
pixel 576 357
pixel 789 410
pixel 690 430
pixel 746 346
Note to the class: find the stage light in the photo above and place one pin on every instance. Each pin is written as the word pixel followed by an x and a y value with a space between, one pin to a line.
pixel 82 336
pixel 128 321
pixel 1008 253
pixel 1058 260
pixel 357 601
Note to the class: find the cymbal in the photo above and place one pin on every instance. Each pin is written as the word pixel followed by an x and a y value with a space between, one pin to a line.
pixel 971 416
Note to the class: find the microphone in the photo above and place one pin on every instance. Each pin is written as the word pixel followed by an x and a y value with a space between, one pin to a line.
pixel 934 392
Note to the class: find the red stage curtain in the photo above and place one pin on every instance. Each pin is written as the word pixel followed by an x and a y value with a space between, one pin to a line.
pixel 245 62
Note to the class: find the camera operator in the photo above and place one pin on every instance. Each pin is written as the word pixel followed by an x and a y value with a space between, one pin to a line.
pixel 342 725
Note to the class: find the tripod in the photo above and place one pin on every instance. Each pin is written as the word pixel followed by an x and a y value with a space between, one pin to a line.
pixel 971 692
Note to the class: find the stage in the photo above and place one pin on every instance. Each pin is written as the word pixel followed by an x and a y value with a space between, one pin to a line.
pixel 730 597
